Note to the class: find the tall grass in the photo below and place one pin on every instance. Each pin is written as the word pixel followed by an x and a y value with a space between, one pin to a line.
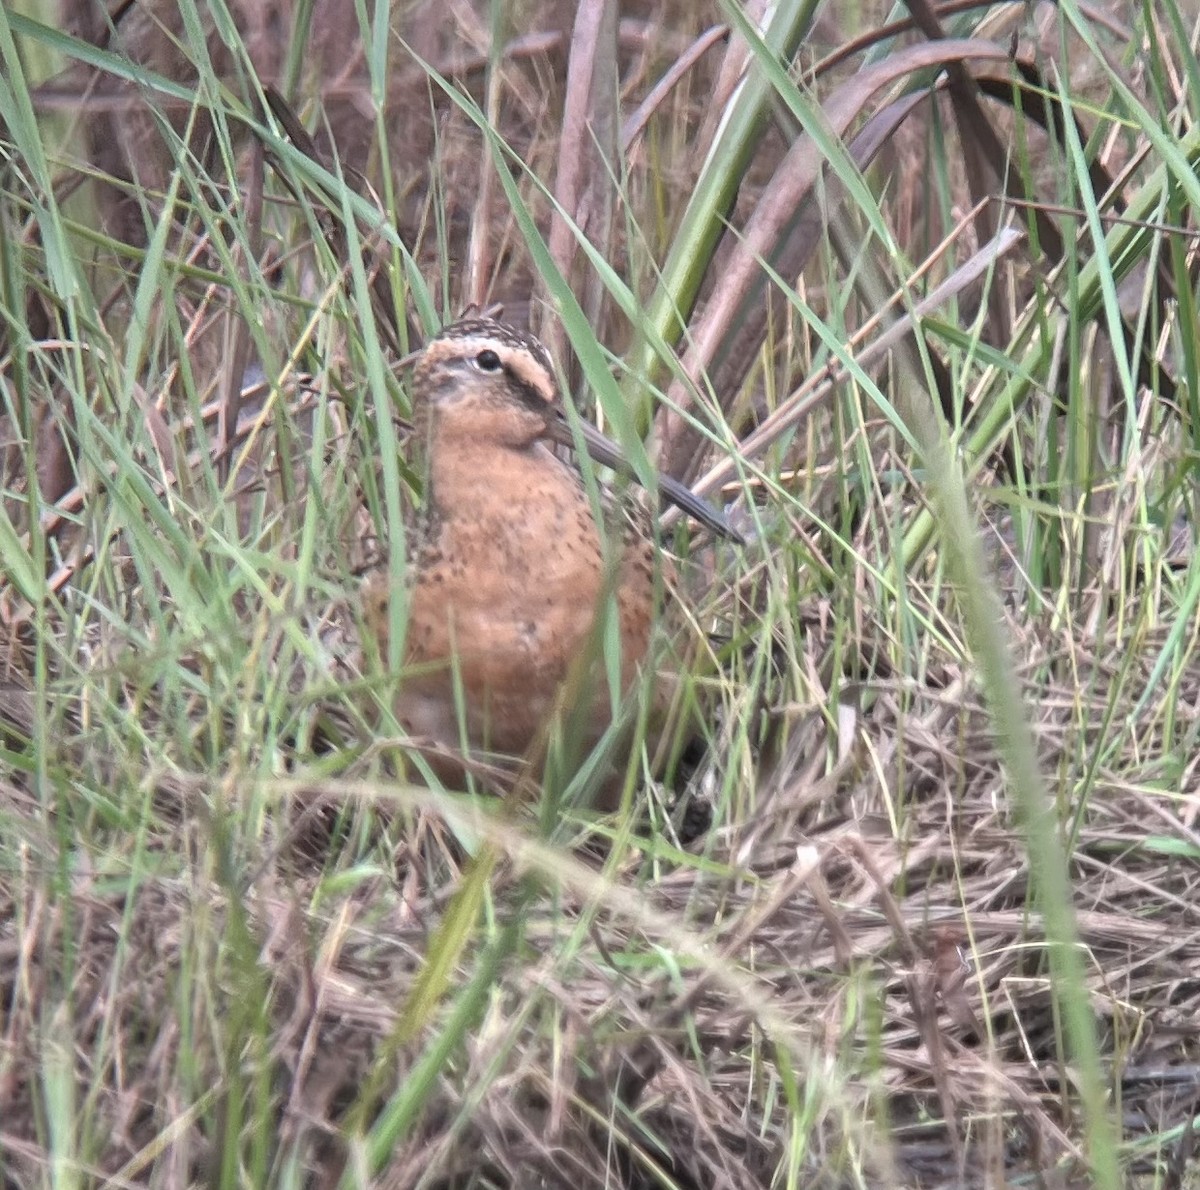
pixel 922 317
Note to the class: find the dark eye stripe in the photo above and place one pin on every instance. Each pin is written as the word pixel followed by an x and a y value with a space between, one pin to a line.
pixel 529 395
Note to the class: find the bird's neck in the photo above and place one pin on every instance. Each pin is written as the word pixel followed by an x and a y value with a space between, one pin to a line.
pixel 465 479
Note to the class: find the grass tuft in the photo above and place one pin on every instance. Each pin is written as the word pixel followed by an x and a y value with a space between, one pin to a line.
pixel 915 301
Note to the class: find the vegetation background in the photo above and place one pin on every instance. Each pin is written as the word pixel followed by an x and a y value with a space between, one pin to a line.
pixel 912 291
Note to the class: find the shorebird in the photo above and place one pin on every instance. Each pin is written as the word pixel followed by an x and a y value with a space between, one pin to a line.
pixel 508 571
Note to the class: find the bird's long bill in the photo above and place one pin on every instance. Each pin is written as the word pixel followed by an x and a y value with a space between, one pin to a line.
pixel 608 454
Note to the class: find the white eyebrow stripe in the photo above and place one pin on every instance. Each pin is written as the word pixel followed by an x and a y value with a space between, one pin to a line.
pixel 528 371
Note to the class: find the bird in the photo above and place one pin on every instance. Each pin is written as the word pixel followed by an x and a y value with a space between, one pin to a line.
pixel 507 570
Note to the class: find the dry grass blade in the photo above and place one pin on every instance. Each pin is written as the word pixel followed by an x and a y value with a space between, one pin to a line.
pixel 818 386
pixel 635 125
pixel 792 184
pixel 245 935
pixel 588 168
pixel 238 334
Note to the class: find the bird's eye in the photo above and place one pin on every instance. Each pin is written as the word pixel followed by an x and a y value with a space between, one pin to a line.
pixel 488 361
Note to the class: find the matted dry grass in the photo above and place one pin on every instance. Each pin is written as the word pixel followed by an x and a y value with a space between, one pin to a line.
pixel 883 897
pixel 220 908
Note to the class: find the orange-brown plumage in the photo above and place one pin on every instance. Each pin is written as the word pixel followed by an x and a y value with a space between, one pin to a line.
pixel 508 572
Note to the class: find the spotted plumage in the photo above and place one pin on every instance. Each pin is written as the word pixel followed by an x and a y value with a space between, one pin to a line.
pixel 510 568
